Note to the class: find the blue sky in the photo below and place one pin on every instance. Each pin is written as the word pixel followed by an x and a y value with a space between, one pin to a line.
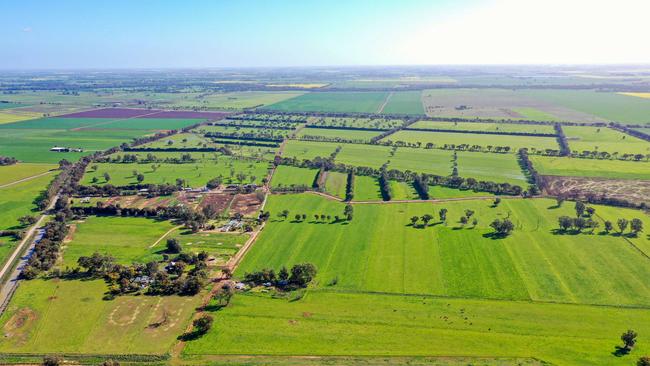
pixel 66 34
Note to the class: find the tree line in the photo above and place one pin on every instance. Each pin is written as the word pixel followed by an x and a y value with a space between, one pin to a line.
pixel 7 160
pixel 536 134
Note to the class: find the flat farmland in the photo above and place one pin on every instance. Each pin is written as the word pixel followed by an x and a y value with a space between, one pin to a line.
pixel 500 104
pixel 33 145
pixel 373 156
pixel 237 100
pixel 582 138
pixel 408 102
pixel 308 150
pixel 287 176
pixel 246 130
pixel 499 168
pixel 403 191
pixel 360 102
pixel 607 106
pixel 103 123
pixel 483 126
pixel 9 116
pixel 70 316
pixel 377 123
pixel 220 245
pixel 181 141
pixel 16 172
pixel 18 200
pixel 335 184
pixel 353 135
pixel 573 167
pixel 379 251
pixel 430 161
pixel 439 139
pixel 127 239
pixel 371 324
pixel 366 189
pixel 195 174
pixel 440 192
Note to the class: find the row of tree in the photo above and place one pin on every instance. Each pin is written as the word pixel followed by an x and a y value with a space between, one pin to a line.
pixel 7 160
pixel 149 158
pixel 349 186
pixel 299 276
pixel 482 132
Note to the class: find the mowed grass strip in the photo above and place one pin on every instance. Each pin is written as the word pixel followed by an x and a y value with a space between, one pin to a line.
pixel 328 323
pixel 360 102
pixel 572 167
pixel 439 139
pixel 380 251
pixel 70 316
pixel 287 176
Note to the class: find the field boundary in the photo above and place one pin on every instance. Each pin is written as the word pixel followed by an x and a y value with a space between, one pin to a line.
pixel 26 179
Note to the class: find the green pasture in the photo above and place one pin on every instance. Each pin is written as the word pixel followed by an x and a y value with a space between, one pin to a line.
pixel 286 176
pixel 373 156
pixel 16 172
pixel 328 323
pixel 408 102
pixel 18 200
pixel 366 189
pixel 102 124
pixel 308 149
pixel 377 123
pixel 70 316
pixel 195 174
pixel 499 168
pixel 575 167
pixel 379 251
pixel 361 102
pixel 439 139
pixel 336 183
pixel 484 126
pixel 430 161
pixel 582 138
pixel 354 135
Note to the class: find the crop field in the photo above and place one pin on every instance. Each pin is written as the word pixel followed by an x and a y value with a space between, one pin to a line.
pixel 33 145
pixel 373 156
pixel 582 138
pixel 604 105
pixel 409 102
pixel 439 192
pixel 366 189
pixel 10 116
pixel 354 135
pixel 430 161
pixel 18 200
pixel 615 169
pixel 287 176
pixel 361 102
pixel 228 101
pixel 180 141
pixel 245 130
pixel 403 191
pixel 500 168
pixel 103 124
pixel 376 123
pixel 335 184
pixel 379 251
pixel 309 150
pixel 70 316
pixel 195 174
pixel 502 104
pixel 13 173
pixel 439 139
pixel 370 324
pixel 127 239
pixel 483 126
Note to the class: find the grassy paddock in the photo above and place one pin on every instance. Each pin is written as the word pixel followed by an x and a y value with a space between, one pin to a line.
pixel 615 169
pixel 361 102
pixel 286 176
pixel 442 138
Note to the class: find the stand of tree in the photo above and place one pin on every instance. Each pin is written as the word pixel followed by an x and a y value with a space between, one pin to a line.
pixel 150 158
pixel 108 190
pixel 242 125
pixel 46 251
pixel 561 140
pixel 349 186
pixel 630 131
pixel 346 128
pixel 222 150
pixel 319 179
pixel 421 186
pixel 527 166
pixel 299 276
pixel 245 143
pixel 245 136
pixel 7 160
pixel 384 186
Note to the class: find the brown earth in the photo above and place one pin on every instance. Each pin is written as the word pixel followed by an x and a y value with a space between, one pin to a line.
pixel 245 204
pixel 219 201
pixel 17 327
pixel 635 191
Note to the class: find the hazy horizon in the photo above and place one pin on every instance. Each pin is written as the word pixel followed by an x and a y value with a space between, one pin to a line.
pixel 75 35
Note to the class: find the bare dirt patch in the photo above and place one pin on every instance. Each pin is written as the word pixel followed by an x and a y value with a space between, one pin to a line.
pixel 246 204
pixel 218 201
pixel 17 327
pixel 71 230
pixel 634 191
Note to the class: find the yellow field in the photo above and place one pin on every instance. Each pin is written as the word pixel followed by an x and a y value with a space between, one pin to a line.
pixel 15 117
pixel 638 95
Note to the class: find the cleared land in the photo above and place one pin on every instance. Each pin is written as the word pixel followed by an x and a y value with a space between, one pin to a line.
pixel 499 168
pixel 439 139
pixel 409 102
pixel 16 172
pixel 195 174
pixel 287 176
pixel 582 138
pixel 615 169
pixel 354 135
pixel 635 191
pixel 431 161
pixel 366 189
pixel 18 200
pixel 373 156
pixel 335 184
pixel 361 102
pixel 376 123
pixel 483 126
pixel 308 150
